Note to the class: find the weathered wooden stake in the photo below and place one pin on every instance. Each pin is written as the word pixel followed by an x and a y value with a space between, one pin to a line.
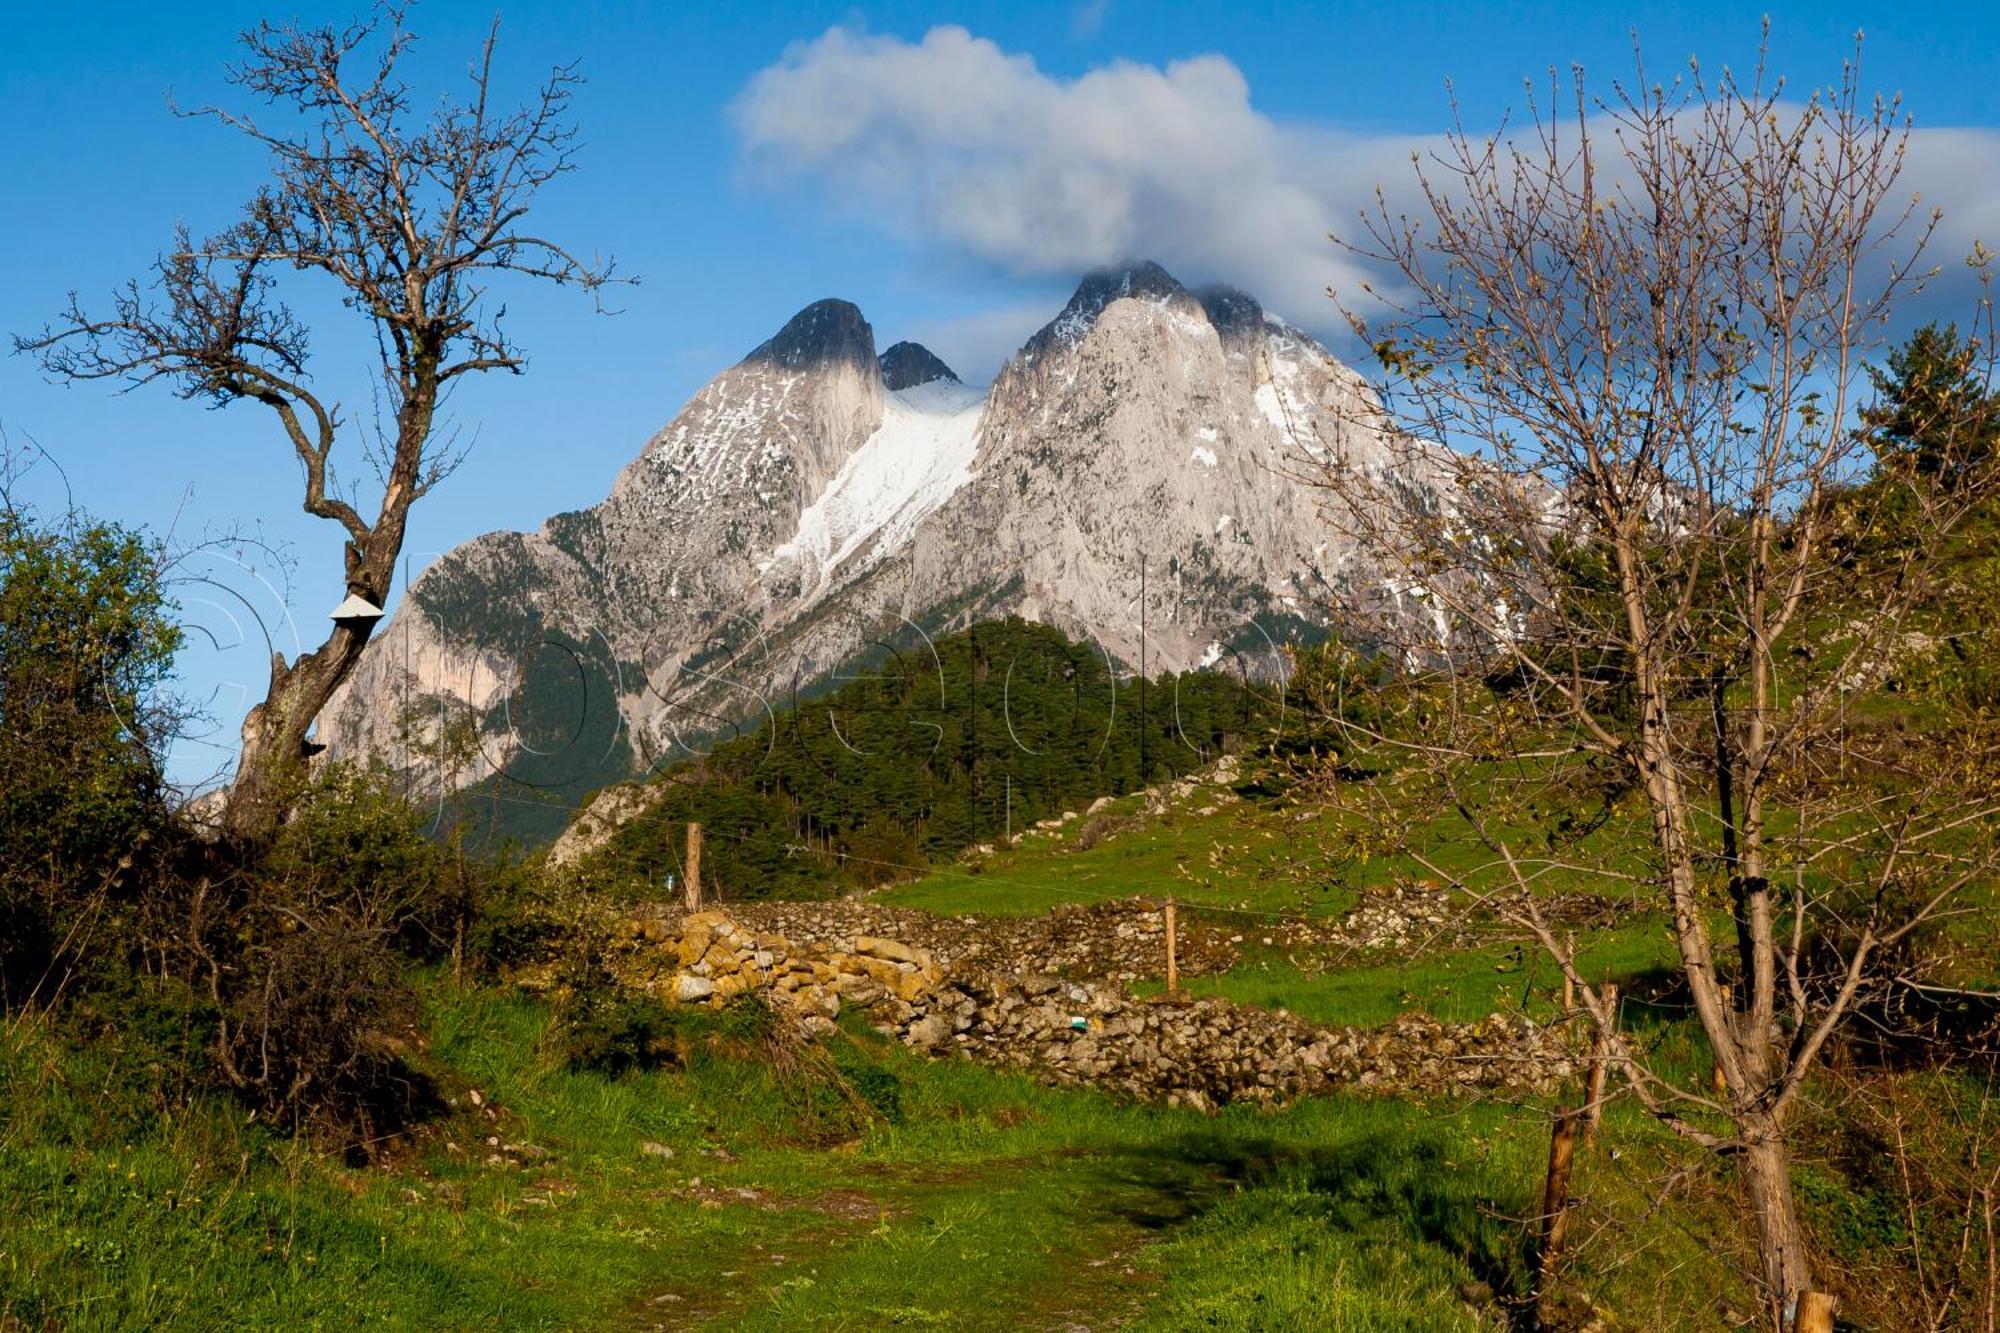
pixel 1600 1064
pixel 693 895
pixel 1569 986
pixel 1555 1201
pixel 1815 1313
pixel 1173 954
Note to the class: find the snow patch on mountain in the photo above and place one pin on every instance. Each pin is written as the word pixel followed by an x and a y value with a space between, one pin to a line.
pixel 916 460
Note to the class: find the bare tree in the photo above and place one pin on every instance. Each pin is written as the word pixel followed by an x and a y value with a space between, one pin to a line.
pixel 1653 579
pixel 411 214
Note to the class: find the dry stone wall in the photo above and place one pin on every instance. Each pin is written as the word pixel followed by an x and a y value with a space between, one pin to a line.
pixel 960 993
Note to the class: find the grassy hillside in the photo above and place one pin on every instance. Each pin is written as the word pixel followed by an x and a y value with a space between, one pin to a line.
pixel 709 1194
pixel 721 1192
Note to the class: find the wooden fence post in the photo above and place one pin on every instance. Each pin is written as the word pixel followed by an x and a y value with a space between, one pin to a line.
pixel 693 887
pixel 1600 1062
pixel 1173 955
pixel 1555 1202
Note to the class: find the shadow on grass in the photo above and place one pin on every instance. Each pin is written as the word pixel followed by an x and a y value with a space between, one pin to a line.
pixel 1394 1187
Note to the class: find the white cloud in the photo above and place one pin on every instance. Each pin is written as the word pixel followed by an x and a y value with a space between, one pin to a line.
pixel 953 140
pixel 1958 172
pixel 955 143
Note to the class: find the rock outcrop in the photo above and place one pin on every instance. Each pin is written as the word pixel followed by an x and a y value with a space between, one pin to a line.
pixel 906 365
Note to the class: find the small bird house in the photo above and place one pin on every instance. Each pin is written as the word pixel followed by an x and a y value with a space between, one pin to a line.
pixel 355 612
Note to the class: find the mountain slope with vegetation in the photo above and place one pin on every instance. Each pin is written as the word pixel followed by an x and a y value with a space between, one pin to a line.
pixel 971 737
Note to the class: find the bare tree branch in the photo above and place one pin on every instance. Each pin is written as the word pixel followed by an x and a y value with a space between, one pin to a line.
pixel 411 216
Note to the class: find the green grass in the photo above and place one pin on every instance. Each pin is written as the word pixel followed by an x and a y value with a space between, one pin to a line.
pixel 1144 856
pixel 982 1201
pixel 1454 985
pixel 988 1202
pixel 1265 854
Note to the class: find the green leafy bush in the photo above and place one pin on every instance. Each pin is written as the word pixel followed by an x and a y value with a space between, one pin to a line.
pixel 615 1032
pixel 355 847
pixel 85 646
pixel 520 914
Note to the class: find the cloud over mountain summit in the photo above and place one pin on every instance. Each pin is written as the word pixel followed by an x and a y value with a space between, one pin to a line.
pixel 952 140
pixel 954 143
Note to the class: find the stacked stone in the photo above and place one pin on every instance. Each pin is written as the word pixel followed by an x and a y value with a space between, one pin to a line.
pixel 1200 1053
pixel 708 958
pixel 1208 1052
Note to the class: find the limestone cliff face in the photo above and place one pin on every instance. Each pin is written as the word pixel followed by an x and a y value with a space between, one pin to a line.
pixel 1153 435
pixel 815 501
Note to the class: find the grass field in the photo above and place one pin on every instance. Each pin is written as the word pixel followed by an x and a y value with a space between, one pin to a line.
pixel 722 1194
pixel 1211 848
pixel 982 1201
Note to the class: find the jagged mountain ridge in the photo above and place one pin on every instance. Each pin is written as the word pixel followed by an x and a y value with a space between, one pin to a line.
pixel 818 498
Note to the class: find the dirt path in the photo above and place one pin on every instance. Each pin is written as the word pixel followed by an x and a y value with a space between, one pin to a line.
pixel 1066 1240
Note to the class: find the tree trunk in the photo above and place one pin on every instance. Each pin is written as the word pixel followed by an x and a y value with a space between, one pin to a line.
pixel 274 733
pixel 1780 1243
pixel 273 762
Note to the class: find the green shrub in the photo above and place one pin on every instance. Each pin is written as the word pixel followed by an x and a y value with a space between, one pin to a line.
pixel 303 953
pixel 85 646
pixel 355 848
pixel 614 1032
pixel 519 915
pixel 282 977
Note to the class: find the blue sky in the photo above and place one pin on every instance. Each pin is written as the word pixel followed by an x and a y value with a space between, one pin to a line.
pixel 739 198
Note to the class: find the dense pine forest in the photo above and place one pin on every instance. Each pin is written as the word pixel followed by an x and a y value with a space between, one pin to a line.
pixel 971 737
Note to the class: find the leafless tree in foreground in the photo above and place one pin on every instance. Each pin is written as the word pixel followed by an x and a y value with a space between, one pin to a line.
pixel 411 214
pixel 1654 576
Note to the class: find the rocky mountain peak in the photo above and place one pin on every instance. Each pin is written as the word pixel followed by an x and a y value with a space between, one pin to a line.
pixel 909 364
pixel 1235 314
pixel 815 493
pixel 1144 279
pixel 1141 278
pixel 825 332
